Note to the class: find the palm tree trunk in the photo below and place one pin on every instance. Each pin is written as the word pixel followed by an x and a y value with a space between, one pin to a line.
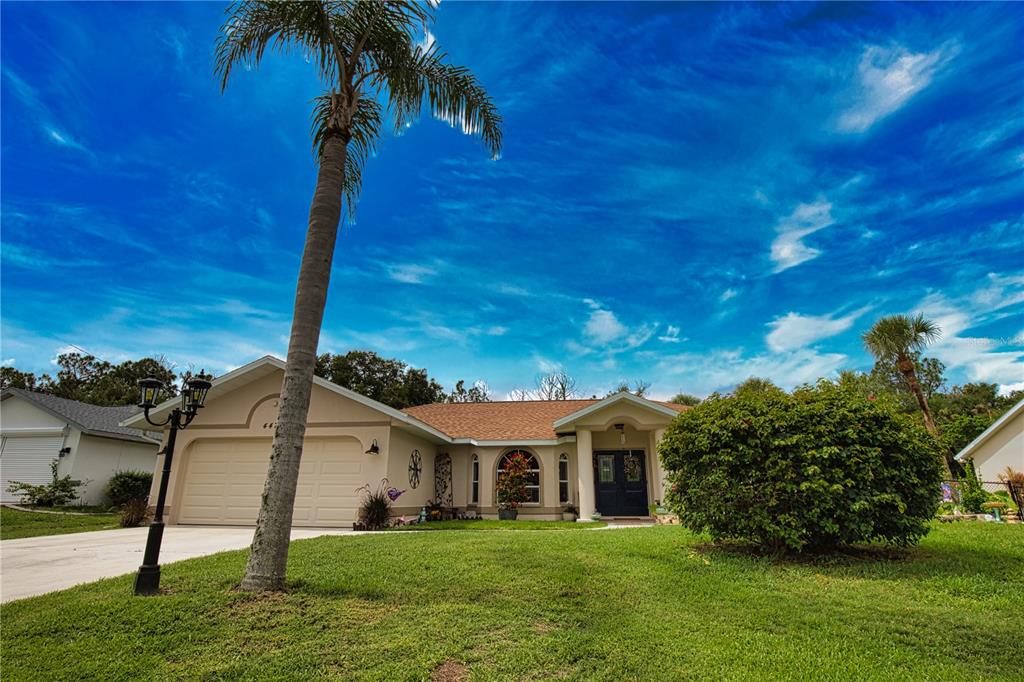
pixel 906 368
pixel 269 555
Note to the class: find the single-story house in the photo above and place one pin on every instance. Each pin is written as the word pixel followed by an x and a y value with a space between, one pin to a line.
pixel 594 454
pixel 999 446
pixel 87 440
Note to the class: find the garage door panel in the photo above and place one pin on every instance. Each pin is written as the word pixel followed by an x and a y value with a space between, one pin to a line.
pixel 224 482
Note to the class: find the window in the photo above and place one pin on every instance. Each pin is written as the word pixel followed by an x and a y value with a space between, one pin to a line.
pixel 532 474
pixel 563 478
pixel 606 468
pixel 474 491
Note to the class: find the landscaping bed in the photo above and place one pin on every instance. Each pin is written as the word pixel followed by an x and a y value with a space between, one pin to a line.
pixel 15 523
pixel 490 524
pixel 634 604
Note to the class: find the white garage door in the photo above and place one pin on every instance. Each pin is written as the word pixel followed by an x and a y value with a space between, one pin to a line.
pixel 224 482
pixel 27 459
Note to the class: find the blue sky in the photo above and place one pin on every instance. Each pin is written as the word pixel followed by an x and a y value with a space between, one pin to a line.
pixel 688 194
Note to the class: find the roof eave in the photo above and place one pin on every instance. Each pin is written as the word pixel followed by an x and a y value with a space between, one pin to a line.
pixel 611 400
pixel 996 426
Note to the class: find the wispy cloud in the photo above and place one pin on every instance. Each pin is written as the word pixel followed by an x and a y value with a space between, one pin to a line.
pixel 603 327
pixel 793 330
pixel 720 370
pixel 410 273
pixel 788 249
pixel 887 77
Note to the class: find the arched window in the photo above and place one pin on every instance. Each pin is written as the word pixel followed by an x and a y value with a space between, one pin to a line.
pixel 532 474
pixel 474 490
pixel 563 478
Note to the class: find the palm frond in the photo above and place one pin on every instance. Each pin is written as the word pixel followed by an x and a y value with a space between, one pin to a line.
pixel 364 136
pixel 414 76
pixel 253 26
pixel 897 335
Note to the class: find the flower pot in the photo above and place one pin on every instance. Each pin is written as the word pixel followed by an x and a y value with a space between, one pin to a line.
pixel 568 516
pixel 507 514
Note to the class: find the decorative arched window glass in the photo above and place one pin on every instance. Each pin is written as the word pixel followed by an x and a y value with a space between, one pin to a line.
pixel 563 478
pixel 532 473
pixel 474 491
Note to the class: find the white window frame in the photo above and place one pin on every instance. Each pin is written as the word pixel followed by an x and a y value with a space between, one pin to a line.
pixel 564 457
pixel 538 487
pixel 474 480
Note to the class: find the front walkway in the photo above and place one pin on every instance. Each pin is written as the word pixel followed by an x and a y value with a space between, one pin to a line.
pixel 32 566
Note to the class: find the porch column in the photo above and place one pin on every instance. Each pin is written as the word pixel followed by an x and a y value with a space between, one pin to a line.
pixel 585 472
pixel 658 433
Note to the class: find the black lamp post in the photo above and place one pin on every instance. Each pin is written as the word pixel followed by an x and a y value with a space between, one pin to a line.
pixel 193 394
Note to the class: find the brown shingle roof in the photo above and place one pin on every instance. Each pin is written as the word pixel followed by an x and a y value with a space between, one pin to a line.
pixel 501 420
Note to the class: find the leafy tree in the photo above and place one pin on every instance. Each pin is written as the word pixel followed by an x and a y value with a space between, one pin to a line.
pixel 13 378
pixel 477 393
pixel 930 374
pixel 639 388
pixel 755 385
pixel 685 399
pixel 385 380
pixel 821 467
pixel 958 432
pixel 369 60
pixel 88 379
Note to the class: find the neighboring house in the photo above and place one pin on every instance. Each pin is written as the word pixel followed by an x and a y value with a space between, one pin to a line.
pixel 999 446
pixel 88 441
pixel 595 454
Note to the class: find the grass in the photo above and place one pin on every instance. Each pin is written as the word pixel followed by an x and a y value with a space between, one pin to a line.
pixel 490 524
pixel 633 604
pixel 19 524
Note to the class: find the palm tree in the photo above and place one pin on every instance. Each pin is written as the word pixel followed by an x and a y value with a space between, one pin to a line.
pixel 371 64
pixel 895 339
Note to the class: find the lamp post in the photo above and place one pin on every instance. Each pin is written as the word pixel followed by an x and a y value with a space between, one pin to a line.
pixel 193 394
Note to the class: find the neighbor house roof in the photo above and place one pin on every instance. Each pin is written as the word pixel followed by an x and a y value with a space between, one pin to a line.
pixel 524 420
pixel 990 431
pixel 96 420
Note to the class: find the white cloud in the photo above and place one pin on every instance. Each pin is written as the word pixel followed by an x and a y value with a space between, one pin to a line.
pixel 720 370
pixel 9 362
pixel 603 327
pixel 547 366
pixel 410 273
pixel 671 335
pixel 982 358
pixel 886 80
pixel 1006 389
pixel 788 249
pixel 793 331
pixel 728 294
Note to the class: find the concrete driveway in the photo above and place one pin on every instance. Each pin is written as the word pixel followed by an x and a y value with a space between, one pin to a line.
pixel 32 566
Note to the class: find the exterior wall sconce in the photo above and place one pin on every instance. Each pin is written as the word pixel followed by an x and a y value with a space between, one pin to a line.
pixel 622 433
pixel 374 448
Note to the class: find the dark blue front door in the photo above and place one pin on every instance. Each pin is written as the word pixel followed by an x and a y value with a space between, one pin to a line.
pixel 620 482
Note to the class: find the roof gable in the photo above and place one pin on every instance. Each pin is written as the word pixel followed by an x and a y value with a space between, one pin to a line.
pixel 96 420
pixel 992 430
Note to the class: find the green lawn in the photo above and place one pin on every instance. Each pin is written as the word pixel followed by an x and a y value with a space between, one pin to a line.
pixel 490 524
pixel 19 524
pixel 633 604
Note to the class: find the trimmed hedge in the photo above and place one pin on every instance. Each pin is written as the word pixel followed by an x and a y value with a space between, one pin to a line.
pixel 127 486
pixel 814 469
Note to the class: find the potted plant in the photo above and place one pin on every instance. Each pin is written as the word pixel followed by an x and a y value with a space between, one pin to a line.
pixel 570 512
pixel 596 516
pixel 511 487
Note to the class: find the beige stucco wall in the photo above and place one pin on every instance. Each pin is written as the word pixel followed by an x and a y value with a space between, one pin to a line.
pixel 1003 449
pixel 16 413
pixel 249 412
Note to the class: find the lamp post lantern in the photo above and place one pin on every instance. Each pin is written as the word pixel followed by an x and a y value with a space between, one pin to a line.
pixel 193 394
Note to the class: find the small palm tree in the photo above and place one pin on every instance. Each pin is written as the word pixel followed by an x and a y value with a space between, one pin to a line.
pixel 895 339
pixel 371 64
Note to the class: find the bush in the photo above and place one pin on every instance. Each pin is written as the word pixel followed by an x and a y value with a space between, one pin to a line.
pixel 972 495
pixel 129 486
pixel 134 513
pixel 59 491
pixel 814 469
pixel 511 486
pixel 375 508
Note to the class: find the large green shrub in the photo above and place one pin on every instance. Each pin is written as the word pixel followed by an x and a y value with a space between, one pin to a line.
pixel 127 486
pixel 972 495
pixel 814 469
